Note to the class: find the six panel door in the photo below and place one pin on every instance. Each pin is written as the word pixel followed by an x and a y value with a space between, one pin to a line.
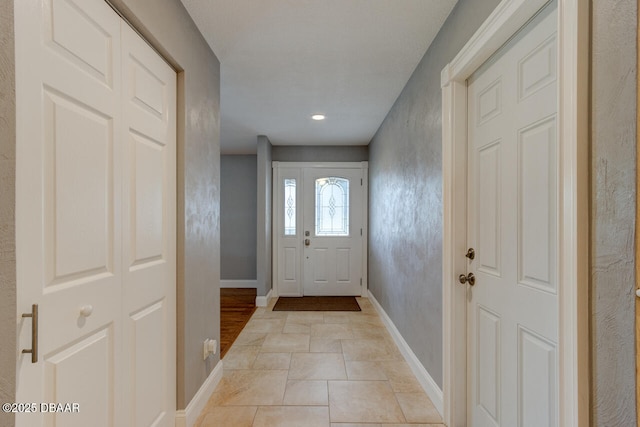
pixel 512 225
pixel 149 230
pixel 101 345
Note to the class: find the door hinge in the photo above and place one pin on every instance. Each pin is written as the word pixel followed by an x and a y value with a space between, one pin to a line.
pixel 361 281
pixel 361 231
pixel 360 181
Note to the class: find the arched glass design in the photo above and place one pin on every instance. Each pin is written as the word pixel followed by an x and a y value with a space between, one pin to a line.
pixel 332 206
pixel 290 207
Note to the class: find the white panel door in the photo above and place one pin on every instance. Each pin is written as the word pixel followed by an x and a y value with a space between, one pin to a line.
pixel 512 225
pixel 333 231
pixel 73 222
pixel 149 233
pixel 68 210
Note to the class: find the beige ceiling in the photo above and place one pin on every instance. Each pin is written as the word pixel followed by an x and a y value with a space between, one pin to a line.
pixel 284 60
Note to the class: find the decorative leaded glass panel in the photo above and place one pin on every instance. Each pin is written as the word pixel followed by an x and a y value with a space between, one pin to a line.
pixel 332 206
pixel 290 207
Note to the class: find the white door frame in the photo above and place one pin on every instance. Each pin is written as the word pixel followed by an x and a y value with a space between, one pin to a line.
pixel 573 258
pixel 277 202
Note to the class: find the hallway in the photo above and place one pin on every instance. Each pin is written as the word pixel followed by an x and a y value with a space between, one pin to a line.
pixel 329 369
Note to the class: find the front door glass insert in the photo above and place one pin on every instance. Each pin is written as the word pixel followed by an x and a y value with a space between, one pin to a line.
pixel 332 206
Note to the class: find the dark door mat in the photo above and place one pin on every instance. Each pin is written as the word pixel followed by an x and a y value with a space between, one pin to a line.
pixel 316 304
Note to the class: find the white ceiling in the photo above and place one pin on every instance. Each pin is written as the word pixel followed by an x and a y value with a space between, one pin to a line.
pixel 284 60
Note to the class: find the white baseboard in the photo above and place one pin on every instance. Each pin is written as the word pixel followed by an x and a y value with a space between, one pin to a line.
pixel 188 417
pixel 238 283
pixel 263 301
pixel 428 384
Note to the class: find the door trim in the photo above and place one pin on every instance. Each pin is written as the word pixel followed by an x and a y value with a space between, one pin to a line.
pixel 276 202
pixel 573 257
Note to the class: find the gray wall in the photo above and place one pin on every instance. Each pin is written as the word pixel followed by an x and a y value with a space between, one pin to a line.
pixel 306 153
pixel 7 211
pixel 405 193
pixel 166 24
pixel 265 174
pixel 613 195
pixel 238 216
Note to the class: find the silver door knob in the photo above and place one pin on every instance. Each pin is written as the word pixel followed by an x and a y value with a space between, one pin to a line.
pixel 469 278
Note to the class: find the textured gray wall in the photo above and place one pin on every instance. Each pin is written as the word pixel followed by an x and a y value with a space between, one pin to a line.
pixel 405 193
pixel 7 211
pixel 314 153
pixel 613 192
pixel 238 217
pixel 166 24
pixel 263 252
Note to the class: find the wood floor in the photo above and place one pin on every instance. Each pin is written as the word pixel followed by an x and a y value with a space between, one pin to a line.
pixel 236 308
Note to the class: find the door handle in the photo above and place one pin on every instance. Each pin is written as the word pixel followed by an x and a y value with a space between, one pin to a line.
pixel 307 242
pixel 470 278
pixel 34 333
pixel 86 310
pixel 471 254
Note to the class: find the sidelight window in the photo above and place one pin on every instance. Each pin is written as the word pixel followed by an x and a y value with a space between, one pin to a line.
pixel 290 207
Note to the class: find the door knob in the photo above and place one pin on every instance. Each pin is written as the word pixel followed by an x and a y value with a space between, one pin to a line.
pixel 307 242
pixel 86 310
pixel 471 254
pixel 470 278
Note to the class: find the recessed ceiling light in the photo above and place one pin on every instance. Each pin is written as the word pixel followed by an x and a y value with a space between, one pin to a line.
pixel 318 117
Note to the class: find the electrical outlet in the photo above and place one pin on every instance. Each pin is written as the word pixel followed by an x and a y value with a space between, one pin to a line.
pixel 209 347
pixel 213 346
pixel 205 349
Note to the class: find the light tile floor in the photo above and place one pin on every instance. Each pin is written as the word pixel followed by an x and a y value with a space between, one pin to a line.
pixel 324 369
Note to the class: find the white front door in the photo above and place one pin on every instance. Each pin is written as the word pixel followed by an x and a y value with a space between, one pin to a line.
pixel 332 224
pixel 95 218
pixel 319 229
pixel 512 310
